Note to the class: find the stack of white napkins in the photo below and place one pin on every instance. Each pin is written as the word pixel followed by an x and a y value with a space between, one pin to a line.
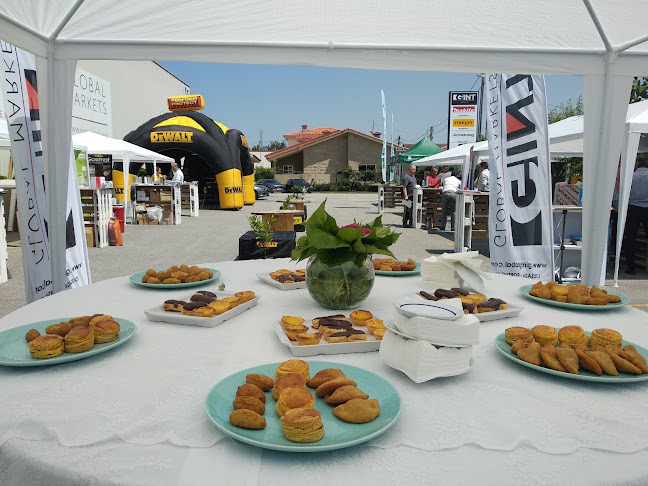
pixel 453 270
pixel 429 339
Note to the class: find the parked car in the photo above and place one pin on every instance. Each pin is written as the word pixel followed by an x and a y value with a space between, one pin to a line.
pixel 297 185
pixel 261 191
pixel 272 184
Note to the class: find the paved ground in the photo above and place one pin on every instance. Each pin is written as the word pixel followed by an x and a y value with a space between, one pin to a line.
pixel 213 236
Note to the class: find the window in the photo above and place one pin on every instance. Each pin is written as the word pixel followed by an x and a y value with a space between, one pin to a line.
pixel 367 167
pixel 287 169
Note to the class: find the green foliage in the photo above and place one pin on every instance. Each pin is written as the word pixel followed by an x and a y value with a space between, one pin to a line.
pixel 263 173
pixel 565 110
pixel 142 172
pixel 639 90
pixel 270 147
pixel 262 231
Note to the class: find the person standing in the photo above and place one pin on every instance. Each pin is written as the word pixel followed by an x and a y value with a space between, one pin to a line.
pixel 451 185
pixel 433 180
pixel 178 176
pixel 483 183
pixel 409 184
pixel 159 177
pixel 445 172
pixel 637 213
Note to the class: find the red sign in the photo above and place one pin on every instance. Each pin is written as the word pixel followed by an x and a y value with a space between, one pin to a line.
pixel 188 102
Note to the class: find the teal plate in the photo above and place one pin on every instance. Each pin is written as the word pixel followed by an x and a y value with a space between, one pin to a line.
pixel 14 349
pixel 416 271
pixel 137 280
pixel 337 433
pixel 524 290
pixel 584 375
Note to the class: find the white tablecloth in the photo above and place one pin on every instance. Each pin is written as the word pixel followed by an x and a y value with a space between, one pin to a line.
pixel 135 415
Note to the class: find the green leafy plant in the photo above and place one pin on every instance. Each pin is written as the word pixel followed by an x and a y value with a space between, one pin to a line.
pixel 263 173
pixel 142 172
pixel 262 231
pixel 287 204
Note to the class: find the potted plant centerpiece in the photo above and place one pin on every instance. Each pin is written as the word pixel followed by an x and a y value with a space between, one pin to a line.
pixel 340 273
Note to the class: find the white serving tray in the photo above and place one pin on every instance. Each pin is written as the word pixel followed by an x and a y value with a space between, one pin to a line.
pixel 266 278
pixel 371 344
pixel 158 313
pixel 510 311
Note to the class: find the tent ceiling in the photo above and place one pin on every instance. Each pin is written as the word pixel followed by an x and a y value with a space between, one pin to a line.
pixel 340 33
pixel 98 144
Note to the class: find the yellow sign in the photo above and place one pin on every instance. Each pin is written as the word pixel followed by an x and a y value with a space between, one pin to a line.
pixel 268 244
pixel 463 122
pixel 180 137
pixel 234 190
pixel 297 219
pixel 188 102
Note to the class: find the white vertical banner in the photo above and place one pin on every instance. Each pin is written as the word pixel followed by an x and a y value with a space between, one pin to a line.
pixel 20 92
pixel 383 157
pixel 391 155
pixel 520 222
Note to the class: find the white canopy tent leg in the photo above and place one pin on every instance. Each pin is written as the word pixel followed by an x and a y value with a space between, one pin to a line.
pixel 154 169
pixel 126 167
pixel 606 102
pixel 628 158
pixel 55 92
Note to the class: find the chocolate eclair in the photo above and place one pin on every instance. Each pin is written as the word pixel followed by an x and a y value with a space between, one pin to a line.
pixel 208 293
pixel 336 317
pixel 445 294
pixel 468 308
pixel 285 279
pixel 427 296
pixel 197 308
pixel 346 335
pixel 491 305
pixel 173 305
pixel 202 298
pixel 459 291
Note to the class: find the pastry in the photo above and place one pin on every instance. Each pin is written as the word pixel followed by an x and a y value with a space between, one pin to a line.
pixel 426 295
pixel 193 270
pixel 295 397
pixel 245 296
pixel 530 354
pixel 569 359
pixel 232 301
pixel 192 278
pixel 285 279
pixel 572 335
pixel 287 381
pixel 612 299
pixel 616 350
pixel 636 359
pixel 290 320
pixel 408 266
pixel 587 362
pixel 445 294
pixel 491 304
pixel 324 376
pixel 80 321
pixel 623 365
pixel 373 324
pixel 250 390
pixel 360 317
pixel 545 335
pixel 80 339
pixel 247 419
pixel 475 299
pixel 173 305
pixel 162 276
pixel 469 308
pixel 262 381
pixel 208 293
pixel 294 330
pixel 202 298
pixel 46 346
pixel 558 291
pixel 198 309
pixel 219 306
pixel 517 346
pixel 32 334
pixel 346 335
pixel 575 297
pixel 460 291
pixel 294 366
pixel 152 280
pixel 596 300
pixel 316 320
pixel 184 267
pixel 249 403
pixel 62 328
pixel 344 394
pixel 105 331
pixel 150 273
pixel 328 387
pixel 550 358
pixel 182 276
pixel 302 425
pixel 170 281
pixel 305 339
pixel 357 411
pixel 604 361
pixel 329 327
pixel 606 336
pixel 513 334
pixel 379 334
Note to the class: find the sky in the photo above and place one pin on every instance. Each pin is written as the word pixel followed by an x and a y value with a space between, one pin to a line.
pixel 278 99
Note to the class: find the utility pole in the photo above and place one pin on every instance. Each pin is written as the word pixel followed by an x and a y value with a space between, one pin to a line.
pixel 398 143
pixel 431 132
pixel 261 139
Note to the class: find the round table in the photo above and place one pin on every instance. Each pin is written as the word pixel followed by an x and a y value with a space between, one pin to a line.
pixel 135 415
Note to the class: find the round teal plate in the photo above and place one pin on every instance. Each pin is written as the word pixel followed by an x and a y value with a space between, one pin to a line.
pixel 337 433
pixel 584 375
pixel 524 290
pixel 137 280
pixel 416 271
pixel 14 349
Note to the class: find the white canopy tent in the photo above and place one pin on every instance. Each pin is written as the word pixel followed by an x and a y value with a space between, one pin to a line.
pixel 603 40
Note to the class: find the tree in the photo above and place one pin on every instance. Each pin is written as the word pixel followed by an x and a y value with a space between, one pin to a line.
pixel 639 90
pixel 565 167
pixel 263 173
pixel 566 109
pixel 271 147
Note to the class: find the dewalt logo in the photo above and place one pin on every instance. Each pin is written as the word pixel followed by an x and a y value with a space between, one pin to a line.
pixel 234 190
pixel 165 137
pixel 267 244
pixel 470 122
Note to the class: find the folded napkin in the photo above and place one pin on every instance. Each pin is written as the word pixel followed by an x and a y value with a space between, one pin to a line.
pixel 422 361
pixel 460 332
pixel 454 270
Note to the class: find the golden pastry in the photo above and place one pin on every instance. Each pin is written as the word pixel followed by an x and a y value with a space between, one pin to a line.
pixel 596 301
pixel 358 411
pixel 379 334
pixel 80 339
pixel 173 268
pixel 530 354
pixel 575 297
pixel 193 270
pixel 344 394
pixel 550 358
pixel 232 301
pixel 262 381
pixel 184 267
pixel 587 362
pixel 192 278
pixel 606 336
pixel 105 331
pixel 302 425
pixel 360 317
pixel 336 317
pixel 306 339
pixel 203 275
pixel 294 330
pixel 46 346
pixel 514 334
pixel 623 365
pixel 636 359
pixel 170 281
pixel 249 403
pixel 373 324
pixel 616 350
pixel 244 296
pixel 517 346
pixel 250 390
pixel 62 328
pixel 80 321
pixel 162 276
pixel 294 366
pixel 559 291
pixel 476 299
pixel 569 359
pixel 612 299
pixel 153 281
pixel 324 376
pixel 291 320
pixel 182 276
pixel 198 309
pixel 173 305
pixel 294 397
pixel 32 334
pixel 286 381
pixel 151 273
pixel 247 419
pixel 604 361
pixel 572 335
pixel 328 387
pixel 491 305
pixel 345 336
pixel 219 306
pixel 545 335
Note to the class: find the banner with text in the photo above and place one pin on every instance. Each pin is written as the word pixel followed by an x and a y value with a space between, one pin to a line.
pixel 20 93
pixel 520 229
pixel 462 118
pixel 92 104
pixel 383 156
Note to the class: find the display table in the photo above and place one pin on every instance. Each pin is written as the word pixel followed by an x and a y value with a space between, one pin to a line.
pixel 165 196
pixel 136 414
pixel 189 199
pixel 285 218
pixel 97 208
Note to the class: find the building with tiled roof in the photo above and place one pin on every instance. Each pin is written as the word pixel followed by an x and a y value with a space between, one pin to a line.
pixel 306 134
pixel 318 159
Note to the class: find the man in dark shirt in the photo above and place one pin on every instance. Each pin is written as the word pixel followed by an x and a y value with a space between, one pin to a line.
pixel 409 184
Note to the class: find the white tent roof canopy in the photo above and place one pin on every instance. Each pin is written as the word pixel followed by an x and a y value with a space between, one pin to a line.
pixel 98 144
pixel 569 37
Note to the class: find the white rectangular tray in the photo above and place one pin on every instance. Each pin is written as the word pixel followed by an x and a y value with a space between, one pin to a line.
pixel 510 311
pixel 158 313
pixel 266 278
pixel 371 344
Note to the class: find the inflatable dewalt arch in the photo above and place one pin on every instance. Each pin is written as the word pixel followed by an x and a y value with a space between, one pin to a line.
pixel 209 148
